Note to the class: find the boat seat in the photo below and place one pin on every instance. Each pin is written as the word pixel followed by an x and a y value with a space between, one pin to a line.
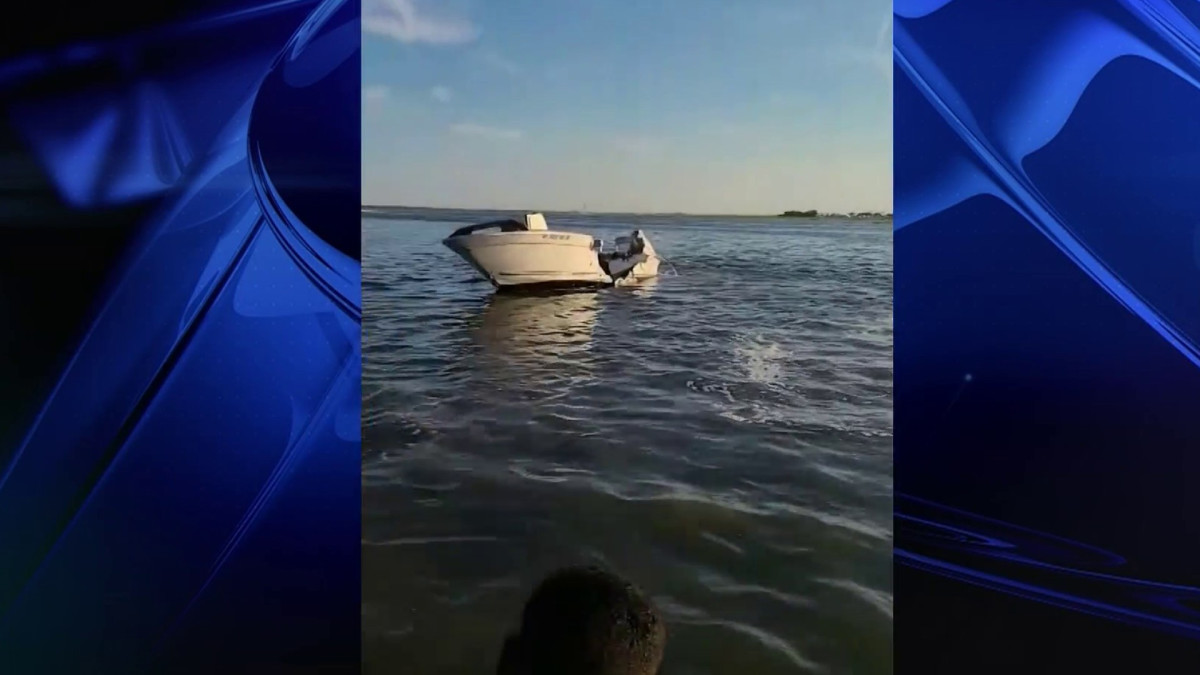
pixel 535 222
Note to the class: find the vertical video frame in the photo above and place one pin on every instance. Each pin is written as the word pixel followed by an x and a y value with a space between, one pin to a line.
pixel 627 337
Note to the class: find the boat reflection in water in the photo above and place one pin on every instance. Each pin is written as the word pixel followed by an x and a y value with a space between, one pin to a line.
pixel 640 287
pixel 544 340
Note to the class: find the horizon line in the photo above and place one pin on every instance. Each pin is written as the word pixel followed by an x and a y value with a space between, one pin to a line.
pixel 614 213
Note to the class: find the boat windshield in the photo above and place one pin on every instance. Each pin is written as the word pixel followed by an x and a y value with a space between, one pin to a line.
pixel 506 225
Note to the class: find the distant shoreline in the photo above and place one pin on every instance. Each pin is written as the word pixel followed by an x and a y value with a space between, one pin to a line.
pixel 860 215
pixel 798 215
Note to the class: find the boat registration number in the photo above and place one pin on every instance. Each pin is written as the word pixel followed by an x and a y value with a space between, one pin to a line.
pixel 555 236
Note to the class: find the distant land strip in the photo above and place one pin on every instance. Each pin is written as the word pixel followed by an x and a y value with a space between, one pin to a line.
pixel 861 215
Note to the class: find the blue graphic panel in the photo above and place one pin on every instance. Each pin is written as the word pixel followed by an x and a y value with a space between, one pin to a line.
pixel 1047 357
pixel 185 495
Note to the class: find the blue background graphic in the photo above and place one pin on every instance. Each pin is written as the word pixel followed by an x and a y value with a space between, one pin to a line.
pixel 1047 323
pixel 179 456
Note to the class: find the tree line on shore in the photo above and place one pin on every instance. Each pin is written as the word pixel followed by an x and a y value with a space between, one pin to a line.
pixel 860 215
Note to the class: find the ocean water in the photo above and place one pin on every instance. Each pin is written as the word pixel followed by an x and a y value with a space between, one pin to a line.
pixel 721 436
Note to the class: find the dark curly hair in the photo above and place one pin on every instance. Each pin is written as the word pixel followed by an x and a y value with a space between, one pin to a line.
pixel 586 621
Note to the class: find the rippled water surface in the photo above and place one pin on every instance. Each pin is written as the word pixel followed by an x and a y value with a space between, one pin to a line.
pixel 721 436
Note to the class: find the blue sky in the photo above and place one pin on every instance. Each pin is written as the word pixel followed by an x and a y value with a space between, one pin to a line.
pixel 696 106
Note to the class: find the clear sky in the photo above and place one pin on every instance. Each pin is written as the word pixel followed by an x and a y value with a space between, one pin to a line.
pixel 694 106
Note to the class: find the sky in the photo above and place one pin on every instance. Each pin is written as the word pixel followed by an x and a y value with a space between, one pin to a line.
pixel 664 106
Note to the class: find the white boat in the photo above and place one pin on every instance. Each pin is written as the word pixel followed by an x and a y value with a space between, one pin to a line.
pixel 527 254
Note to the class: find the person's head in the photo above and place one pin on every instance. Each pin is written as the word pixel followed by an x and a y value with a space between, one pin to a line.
pixel 586 621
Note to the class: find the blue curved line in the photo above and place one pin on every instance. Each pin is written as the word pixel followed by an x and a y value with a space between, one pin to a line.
pixel 1044 595
pixel 138 249
pixel 903 496
pixel 15 71
pixel 1026 199
pixel 1166 29
pixel 135 415
pixel 1030 562
pixel 341 382
pixel 306 249
pixel 281 220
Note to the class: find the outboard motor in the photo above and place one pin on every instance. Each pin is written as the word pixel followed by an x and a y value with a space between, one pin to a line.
pixel 637 243
pixel 641 244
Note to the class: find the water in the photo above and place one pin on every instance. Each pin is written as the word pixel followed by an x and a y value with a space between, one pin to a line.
pixel 722 437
